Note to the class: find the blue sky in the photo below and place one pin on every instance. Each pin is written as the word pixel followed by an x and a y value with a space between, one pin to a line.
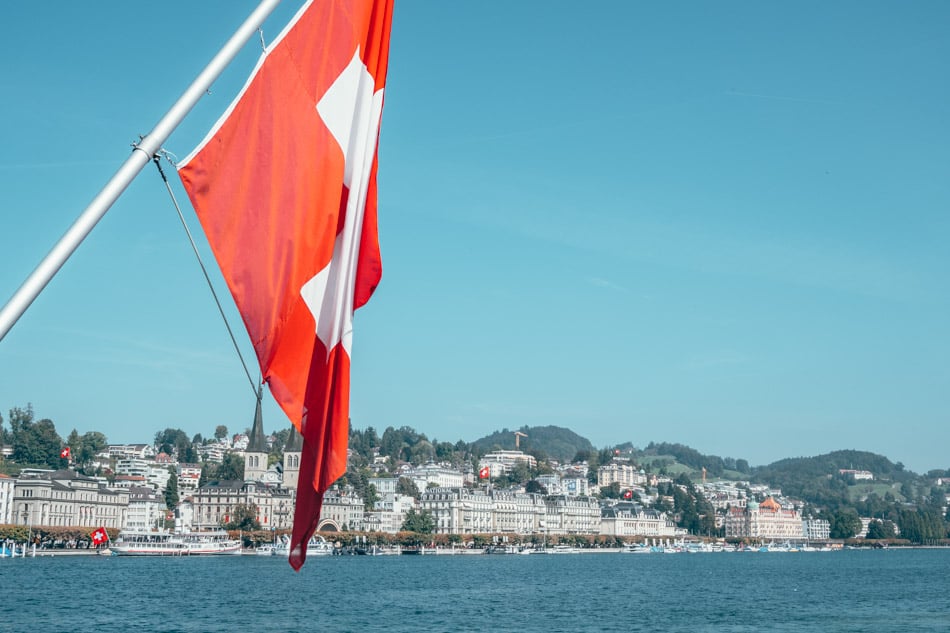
pixel 723 225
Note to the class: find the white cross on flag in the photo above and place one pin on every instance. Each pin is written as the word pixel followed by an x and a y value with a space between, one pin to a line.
pixel 99 536
pixel 285 188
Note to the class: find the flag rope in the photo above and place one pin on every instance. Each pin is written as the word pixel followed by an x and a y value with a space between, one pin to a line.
pixel 194 247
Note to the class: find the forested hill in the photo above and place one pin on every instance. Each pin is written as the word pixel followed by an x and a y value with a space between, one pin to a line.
pixel 554 442
pixel 817 479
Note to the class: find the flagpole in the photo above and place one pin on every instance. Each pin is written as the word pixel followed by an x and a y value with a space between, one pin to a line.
pixel 141 155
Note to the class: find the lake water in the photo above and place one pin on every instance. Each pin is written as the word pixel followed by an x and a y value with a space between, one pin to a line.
pixel 855 591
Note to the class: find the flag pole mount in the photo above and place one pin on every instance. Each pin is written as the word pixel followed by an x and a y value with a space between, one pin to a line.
pixel 142 153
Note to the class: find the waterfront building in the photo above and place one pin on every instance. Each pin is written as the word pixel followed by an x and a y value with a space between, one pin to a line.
pixel 214 504
pixel 66 498
pixel 626 519
pixel 458 510
pixel 6 499
pixel 565 514
pixel 516 512
pixel 817 529
pixel 766 520
pixel 341 510
pixel 389 513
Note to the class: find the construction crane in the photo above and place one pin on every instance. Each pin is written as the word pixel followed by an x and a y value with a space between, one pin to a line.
pixel 518 436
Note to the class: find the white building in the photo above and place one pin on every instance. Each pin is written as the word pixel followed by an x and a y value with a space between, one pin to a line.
pixel 384 485
pixel 458 510
pixel 141 451
pixel 6 499
pixel 551 483
pixel 146 509
pixel 626 475
pixel 155 475
pixel 65 498
pixel 574 486
pixel 571 515
pixel 766 520
pixel 517 512
pixel 188 477
pixel 341 511
pixel 214 504
pixel 390 512
pixel 501 462
pixel 434 475
pixel 817 529
pixel 626 519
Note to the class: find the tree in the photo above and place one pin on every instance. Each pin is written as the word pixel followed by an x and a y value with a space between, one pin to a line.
pixel 231 468
pixel 243 517
pixel 220 432
pixel 171 489
pixel 370 497
pixel 880 529
pixel 845 523
pixel 535 486
pixel 421 523
pixel 406 486
pixel 35 443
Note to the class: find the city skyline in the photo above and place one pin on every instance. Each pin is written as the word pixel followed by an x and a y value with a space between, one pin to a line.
pixel 724 228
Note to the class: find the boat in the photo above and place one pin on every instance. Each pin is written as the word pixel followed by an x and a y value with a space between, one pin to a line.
pixel 635 548
pixel 560 549
pixel 165 543
pixel 316 546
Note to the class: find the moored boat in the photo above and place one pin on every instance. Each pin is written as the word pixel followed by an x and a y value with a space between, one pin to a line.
pixel 165 543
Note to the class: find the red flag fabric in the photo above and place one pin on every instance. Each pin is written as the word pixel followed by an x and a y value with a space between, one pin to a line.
pixel 484 473
pixel 628 494
pixel 99 536
pixel 64 453
pixel 285 189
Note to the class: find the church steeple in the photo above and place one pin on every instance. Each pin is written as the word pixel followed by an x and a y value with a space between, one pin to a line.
pixel 255 456
pixel 292 453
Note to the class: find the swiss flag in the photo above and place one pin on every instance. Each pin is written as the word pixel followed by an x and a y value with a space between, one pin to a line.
pixel 285 189
pixel 628 494
pixel 99 536
pixel 64 453
pixel 484 472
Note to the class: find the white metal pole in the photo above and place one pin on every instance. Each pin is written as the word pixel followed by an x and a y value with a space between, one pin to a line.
pixel 141 155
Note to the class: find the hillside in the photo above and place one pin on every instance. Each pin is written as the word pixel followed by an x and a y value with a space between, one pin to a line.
pixel 553 441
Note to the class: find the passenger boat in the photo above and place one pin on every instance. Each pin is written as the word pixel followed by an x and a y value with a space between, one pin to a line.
pixel 165 543
pixel 316 546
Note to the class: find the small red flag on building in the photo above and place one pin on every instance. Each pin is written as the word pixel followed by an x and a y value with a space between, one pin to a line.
pixel 628 494
pixel 285 189
pixel 484 473
pixel 64 453
pixel 99 536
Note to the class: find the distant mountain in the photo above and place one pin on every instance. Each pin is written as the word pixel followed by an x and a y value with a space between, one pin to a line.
pixel 554 441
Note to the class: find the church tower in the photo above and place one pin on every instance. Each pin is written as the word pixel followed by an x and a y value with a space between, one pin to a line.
pixel 255 456
pixel 292 452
